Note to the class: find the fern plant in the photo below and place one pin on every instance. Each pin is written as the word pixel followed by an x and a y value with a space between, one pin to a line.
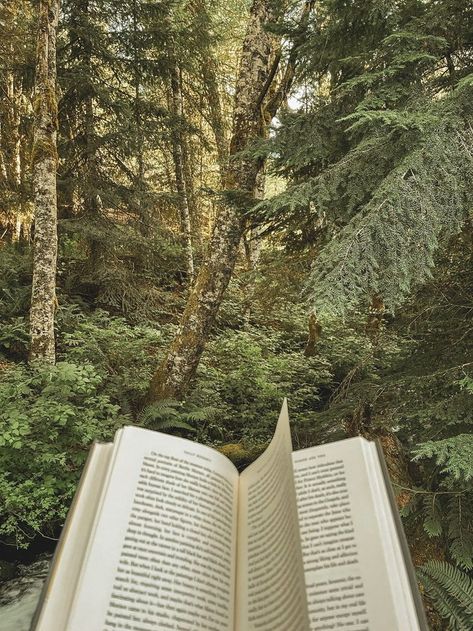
pixel 169 414
pixel 451 591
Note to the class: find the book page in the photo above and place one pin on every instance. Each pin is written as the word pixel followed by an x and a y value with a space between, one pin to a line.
pixel 407 598
pixel 55 602
pixel 270 577
pixel 345 561
pixel 163 551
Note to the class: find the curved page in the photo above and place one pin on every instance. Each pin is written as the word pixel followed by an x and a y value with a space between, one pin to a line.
pixel 270 583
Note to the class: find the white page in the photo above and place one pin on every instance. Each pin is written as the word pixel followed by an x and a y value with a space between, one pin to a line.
pixel 69 557
pixel 403 597
pixel 163 551
pixel 270 582
pixel 348 583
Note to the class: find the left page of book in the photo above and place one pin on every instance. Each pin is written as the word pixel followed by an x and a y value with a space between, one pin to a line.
pixel 56 599
pixel 162 554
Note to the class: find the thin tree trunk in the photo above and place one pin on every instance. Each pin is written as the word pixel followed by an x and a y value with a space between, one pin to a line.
pixel 217 120
pixel 188 158
pixel 179 169
pixel 14 95
pixel 176 371
pixel 10 161
pixel 211 93
pixel 141 201
pixel 44 165
pixel 252 242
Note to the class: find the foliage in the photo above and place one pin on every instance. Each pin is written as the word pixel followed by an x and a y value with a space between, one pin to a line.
pixel 168 414
pixel 452 593
pixel 390 245
pixel 49 417
pixel 14 337
pixel 245 375
pixel 371 168
pixel 15 282
pixel 388 158
pixel 123 355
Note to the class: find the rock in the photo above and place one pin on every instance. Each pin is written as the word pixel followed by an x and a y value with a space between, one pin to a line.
pixel 7 571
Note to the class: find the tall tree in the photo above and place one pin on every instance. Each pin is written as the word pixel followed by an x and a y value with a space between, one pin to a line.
pixel 375 153
pixel 17 58
pixel 179 156
pixel 43 297
pixel 254 107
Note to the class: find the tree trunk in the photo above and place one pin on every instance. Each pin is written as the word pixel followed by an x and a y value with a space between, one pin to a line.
pixel 176 371
pixel 11 145
pixel 216 118
pixel 13 91
pixel 179 168
pixel 141 201
pixel 44 165
pixel 252 243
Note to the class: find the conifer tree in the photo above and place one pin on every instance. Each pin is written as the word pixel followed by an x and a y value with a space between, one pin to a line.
pixel 374 156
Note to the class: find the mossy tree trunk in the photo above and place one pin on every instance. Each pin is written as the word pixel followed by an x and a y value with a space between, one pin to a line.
pixel 44 165
pixel 249 123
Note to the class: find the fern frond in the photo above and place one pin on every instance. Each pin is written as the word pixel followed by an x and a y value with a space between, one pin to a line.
pixel 202 414
pixel 158 411
pixel 451 590
pixel 432 519
pixel 173 423
pixel 460 529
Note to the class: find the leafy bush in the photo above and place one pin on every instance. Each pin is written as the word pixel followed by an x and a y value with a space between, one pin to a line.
pixel 125 356
pixel 244 376
pixel 15 281
pixel 14 337
pixel 49 417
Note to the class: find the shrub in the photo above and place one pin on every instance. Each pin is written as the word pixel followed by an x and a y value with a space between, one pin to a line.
pixel 125 356
pixel 244 376
pixel 49 417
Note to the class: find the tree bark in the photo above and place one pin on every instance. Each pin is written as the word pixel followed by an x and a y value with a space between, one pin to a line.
pixel 44 166
pixel 11 107
pixel 179 167
pixel 216 118
pixel 141 203
pixel 176 371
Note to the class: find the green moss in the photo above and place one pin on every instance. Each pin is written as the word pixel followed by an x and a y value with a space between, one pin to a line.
pixel 241 454
pixel 43 149
pixel 45 99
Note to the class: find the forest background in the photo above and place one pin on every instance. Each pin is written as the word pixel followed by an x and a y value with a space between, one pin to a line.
pixel 209 205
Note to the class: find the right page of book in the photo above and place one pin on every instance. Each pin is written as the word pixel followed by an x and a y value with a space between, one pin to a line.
pixel 353 569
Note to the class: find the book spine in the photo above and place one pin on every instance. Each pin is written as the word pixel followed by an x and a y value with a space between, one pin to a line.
pixel 57 553
pixel 411 573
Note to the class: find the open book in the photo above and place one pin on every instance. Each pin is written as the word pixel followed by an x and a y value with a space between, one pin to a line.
pixel 165 534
